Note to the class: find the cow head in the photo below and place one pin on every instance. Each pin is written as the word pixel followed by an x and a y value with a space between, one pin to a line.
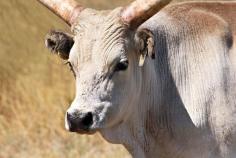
pixel 106 55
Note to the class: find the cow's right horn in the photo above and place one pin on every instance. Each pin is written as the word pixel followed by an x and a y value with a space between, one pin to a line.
pixel 68 10
pixel 141 10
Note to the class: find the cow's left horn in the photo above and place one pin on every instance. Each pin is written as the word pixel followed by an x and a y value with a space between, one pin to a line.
pixel 67 10
pixel 141 10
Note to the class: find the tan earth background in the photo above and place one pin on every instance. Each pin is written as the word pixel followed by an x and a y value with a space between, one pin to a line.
pixel 36 88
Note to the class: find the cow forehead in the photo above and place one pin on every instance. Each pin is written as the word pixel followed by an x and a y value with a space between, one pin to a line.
pixel 99 37
pixel 94 20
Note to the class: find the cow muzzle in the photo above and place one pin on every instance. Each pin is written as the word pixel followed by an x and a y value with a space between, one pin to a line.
pixel 79 122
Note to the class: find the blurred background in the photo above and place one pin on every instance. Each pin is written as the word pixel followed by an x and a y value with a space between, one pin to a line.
pixel 36 88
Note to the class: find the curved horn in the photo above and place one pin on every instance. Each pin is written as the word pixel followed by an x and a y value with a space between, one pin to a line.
pixel 141 10
pixel 67 10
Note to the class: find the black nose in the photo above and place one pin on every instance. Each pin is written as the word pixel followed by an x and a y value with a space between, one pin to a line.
pixel 79 122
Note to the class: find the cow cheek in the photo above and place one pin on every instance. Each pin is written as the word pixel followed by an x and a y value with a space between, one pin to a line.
pixel 119 101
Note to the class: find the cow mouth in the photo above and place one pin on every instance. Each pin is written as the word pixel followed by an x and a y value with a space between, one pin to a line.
pixel 88 131
pixel 85 132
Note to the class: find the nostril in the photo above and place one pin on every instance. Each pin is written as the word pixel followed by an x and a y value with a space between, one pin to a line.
pixel 87 120
pixel 72 122
pixel 69 116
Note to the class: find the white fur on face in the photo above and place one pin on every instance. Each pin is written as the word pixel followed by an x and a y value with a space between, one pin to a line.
pixel 99 89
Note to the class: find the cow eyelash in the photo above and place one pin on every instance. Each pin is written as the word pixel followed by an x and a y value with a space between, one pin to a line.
pixel 71 68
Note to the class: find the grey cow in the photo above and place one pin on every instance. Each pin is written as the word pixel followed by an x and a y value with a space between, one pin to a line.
pixel 158 79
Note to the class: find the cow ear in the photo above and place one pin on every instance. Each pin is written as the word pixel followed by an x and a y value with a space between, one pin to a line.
pixel 59 43
pixel 144 42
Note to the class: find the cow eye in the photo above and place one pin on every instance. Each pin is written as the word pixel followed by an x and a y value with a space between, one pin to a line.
pixel 122 65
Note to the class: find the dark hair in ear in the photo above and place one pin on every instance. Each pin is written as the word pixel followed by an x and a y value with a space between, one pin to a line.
pixel 144 40
pixel 59 43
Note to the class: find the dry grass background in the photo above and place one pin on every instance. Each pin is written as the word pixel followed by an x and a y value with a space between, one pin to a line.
pixel 36 89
